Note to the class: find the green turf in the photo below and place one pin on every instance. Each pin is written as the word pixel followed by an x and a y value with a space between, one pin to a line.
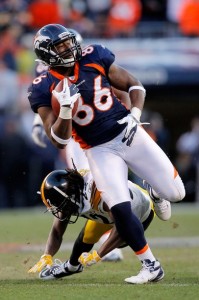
pixel 105 280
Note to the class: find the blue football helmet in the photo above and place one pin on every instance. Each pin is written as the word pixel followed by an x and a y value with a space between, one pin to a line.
pixel 46 40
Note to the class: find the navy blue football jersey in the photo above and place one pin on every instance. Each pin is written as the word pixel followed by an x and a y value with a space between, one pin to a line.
pixel 98 110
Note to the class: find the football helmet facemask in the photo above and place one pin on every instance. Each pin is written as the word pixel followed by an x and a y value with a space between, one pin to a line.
pixel 46 40
pixel 61 192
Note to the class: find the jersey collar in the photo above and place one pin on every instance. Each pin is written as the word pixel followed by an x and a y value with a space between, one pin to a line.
pixel 73 78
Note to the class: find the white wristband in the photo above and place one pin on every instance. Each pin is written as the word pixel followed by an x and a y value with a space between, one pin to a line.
pixel 65 112
pixel 57 139
pixel 136 112
pixel 137 87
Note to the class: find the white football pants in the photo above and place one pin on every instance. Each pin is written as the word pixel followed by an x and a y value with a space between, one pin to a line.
pixel 74 151
pixel 109 163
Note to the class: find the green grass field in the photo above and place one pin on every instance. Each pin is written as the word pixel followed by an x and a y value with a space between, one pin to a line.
pixel 175 243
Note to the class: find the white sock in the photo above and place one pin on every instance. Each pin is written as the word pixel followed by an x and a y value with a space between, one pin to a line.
pixel 71 267
pixel 147 254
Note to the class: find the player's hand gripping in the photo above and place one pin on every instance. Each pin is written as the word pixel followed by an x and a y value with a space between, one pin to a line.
pixel 64 97
pixel 88 259
pixel 45 260
pixel 132 120
pixel 39 135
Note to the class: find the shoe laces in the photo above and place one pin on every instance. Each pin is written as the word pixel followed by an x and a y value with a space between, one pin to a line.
pixel 147 265
pixel 144 270
pixel 161 204
pixel 58 267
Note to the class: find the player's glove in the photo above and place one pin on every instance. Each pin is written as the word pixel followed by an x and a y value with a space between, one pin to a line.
pixel 39 135
pixel 132 120
pixel 45 260
pixel 64 97
pixel 88 259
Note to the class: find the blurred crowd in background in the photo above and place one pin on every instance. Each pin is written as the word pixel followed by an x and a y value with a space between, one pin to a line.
pixel 23 164
pixel 104 18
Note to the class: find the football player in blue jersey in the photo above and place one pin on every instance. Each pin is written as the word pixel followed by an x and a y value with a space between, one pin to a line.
pixel 73 151
pixel 110 134
pixel 68 194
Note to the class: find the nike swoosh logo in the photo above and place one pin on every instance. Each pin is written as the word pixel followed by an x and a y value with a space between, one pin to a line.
pixel 45 273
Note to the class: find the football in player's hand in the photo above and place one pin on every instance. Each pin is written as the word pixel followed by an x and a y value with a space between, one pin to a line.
pixel 54 102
